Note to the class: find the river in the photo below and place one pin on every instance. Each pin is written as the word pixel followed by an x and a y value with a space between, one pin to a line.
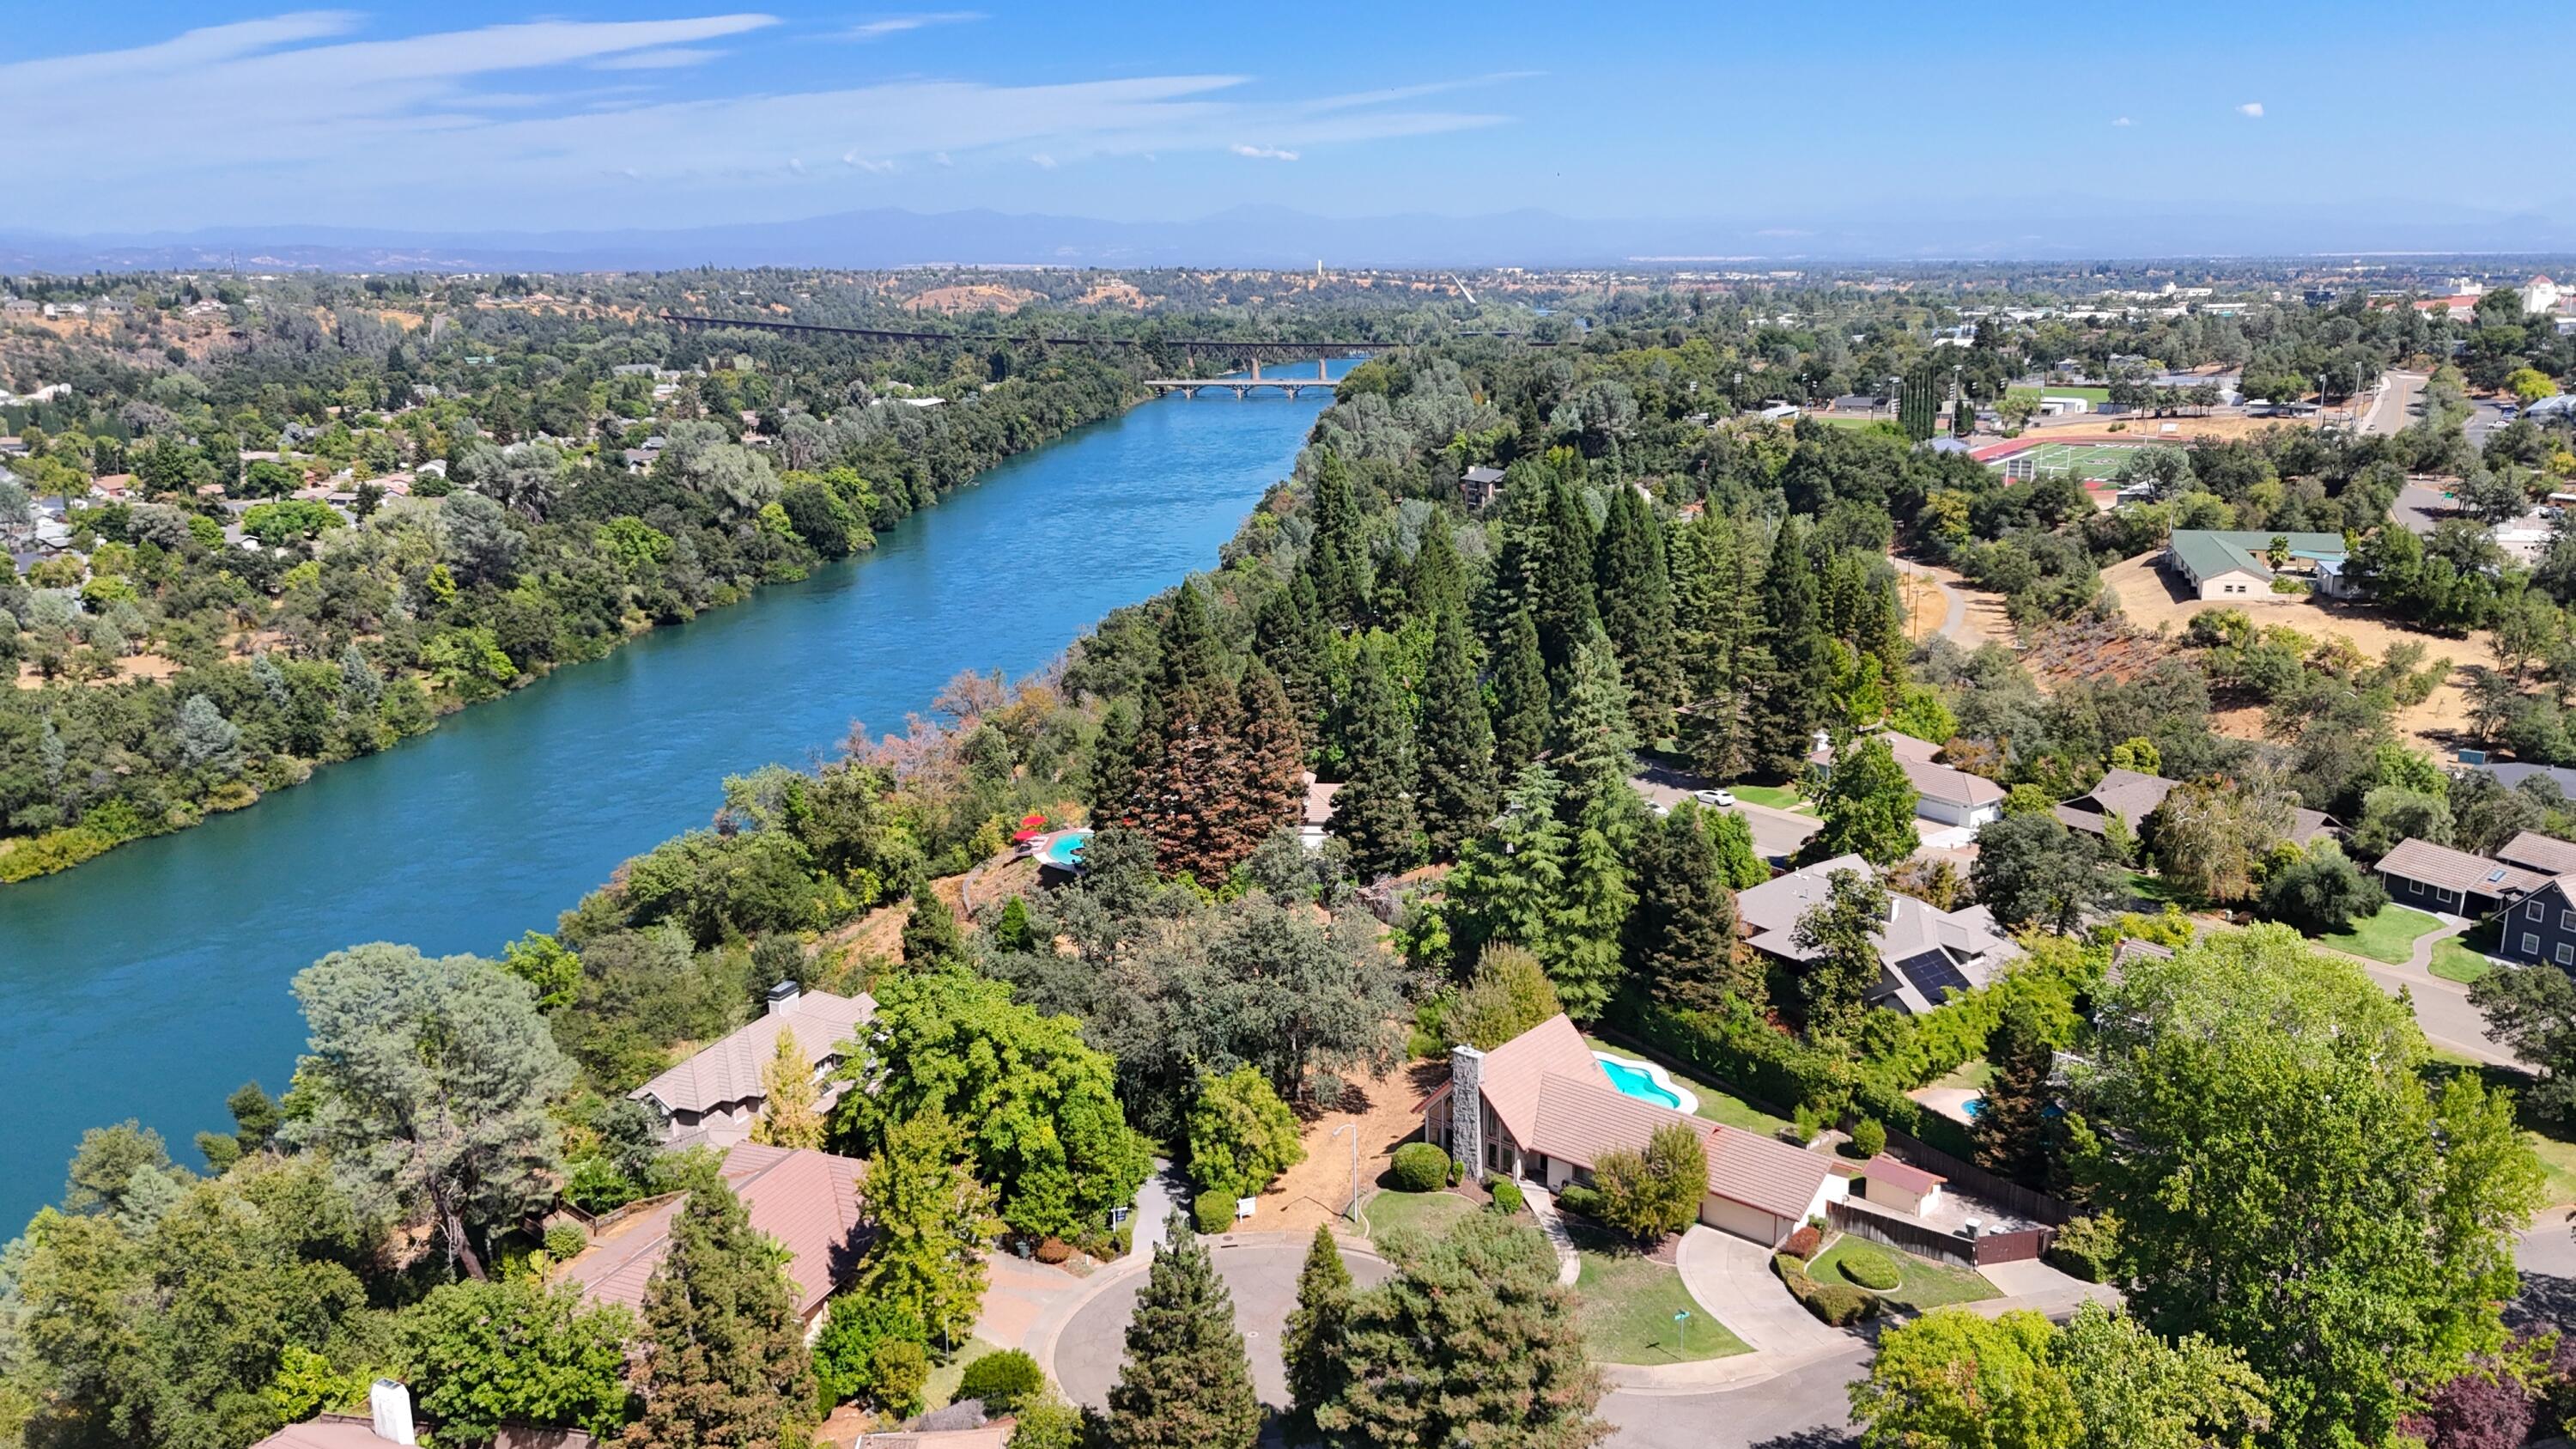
pixel 152 981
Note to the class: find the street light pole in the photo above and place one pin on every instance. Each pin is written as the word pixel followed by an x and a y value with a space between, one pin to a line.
pixel 1352 1212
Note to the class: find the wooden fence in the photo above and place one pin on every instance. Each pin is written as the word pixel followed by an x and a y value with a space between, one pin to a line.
pixel 2017 1247
pixel 1974 1181
pixel 1924 1241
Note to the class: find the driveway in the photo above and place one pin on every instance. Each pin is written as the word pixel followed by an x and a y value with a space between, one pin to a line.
pixel 1262 1276
pixel 1732 1278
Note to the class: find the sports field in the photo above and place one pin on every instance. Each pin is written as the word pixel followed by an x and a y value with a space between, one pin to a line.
pixel 2094 395
pixel 2092 462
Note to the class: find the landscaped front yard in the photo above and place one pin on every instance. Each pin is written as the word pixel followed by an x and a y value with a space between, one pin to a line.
pixel 1625 1304
pixel 1777 797
pixel 1428 1213
pixel 1924 1284
pixel 2453 961
pixel 2389 936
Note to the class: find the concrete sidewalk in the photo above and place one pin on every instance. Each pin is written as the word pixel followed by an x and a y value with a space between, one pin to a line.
pixel 1542 1206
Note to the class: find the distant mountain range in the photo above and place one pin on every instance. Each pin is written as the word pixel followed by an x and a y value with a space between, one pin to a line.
pixel 1277 237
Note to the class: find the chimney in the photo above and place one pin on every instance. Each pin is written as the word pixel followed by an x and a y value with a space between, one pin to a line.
pixel 1824 741
pixel 784 995
pixel 389 1411
pixel 1467 1108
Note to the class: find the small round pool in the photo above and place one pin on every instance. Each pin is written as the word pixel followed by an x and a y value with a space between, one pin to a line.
pixel 1647 1083
pixel 1064 850
pixel 1971 1105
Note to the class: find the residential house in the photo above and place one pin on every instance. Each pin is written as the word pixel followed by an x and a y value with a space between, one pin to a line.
pixel 2134 796
pixel 714 1097
pixel 2433 877
pixel 1316 820
pixel 2224 563
pixel 1941 793
pixel 2542 926
pixel 1540 1108
pixel 809 1201
pixel 1924 953
pixel 1480 485
pixel 19 307
pixel 1898 1186
pixel 2534 851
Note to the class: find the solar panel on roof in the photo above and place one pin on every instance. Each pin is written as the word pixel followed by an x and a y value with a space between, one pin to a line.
pixel 2495 875
pixel 1932 974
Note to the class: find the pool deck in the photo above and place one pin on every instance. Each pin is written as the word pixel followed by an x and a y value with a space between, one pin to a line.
pixel 1950 1102
pixel 1684 1099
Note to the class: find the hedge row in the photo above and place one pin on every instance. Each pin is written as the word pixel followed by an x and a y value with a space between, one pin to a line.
pixel 1836 1303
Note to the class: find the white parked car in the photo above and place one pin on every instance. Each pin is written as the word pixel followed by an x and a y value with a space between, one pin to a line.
pixel 1715 797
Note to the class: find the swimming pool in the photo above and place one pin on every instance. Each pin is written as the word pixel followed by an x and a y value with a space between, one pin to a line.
pixel 1646 1083
pixel 1971 1105
pixel 1064 852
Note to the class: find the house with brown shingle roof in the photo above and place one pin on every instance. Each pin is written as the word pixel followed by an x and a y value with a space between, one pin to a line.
pixel 2134 796
pixel 2433 877
pixel 2534 851
pixel 714 1097
pixel 1942 793
pixel 809 1201
pixel 1925 954
pixel 1545 1112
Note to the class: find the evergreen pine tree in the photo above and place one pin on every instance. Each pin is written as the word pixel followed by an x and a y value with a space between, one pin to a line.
pixel 1114 786
pixel 788 1114
pixel 1510 884
pixel 2015 1136
pixel 1374 813
pixel 1456 743
pixel 726 1360
pixel 1561 594
pixel 1596 739
pixel 1437 582
pixel 1682 933
pixel 931 941
pixel 1338 556
pixel 1192 659
pixel 1790 695
pixel 1311 1344
pixel 1270 790
pixel 1584 961
pixel 1512 588
pixel 1187 1383
pixel 1192 803
pixel 1716 585
pixel 1637 611
pixel 1520 705
pixel 1289 636
pixel 1013 931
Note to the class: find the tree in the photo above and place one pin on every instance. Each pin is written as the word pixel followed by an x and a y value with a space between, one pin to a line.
pixel 427 1083
pixel 2321 891
pixel 1374 813
pixel 2134 1390
pixel 1241 1135
pixel 1509 886
pixel 1595 741
pixel 1520 697
pixel 1788 695
pixel 2209 836
pixel 1681 936
pixel 1636 597
pixel 725 1359
pixel 1954 1379
pixel 1187 1382
pixel 2532 1010
pixel 2391 813
pixel 1654 1193
pixel 1867 808
pixel 1338 559
pixel 481 1355
pixel 933 1223
pixel 1918 399
pixel 1472 1341
pixel 1837 941
pixel 931 940
pixel 2288 1183
pixel 548 966
pixel 1311 1344
pixel 787 1115
pixel 1582 955
pixel 2019 1128
pixel 2032 870
pixel 207 740
pixel 1455 745
pixel 1508 994
pixel 1038 1105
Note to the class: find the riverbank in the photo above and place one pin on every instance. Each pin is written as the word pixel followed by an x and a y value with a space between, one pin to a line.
pixel 24 858
pixel 152 981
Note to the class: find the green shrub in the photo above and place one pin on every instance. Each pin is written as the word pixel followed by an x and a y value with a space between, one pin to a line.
pixel 1213 1211
pixel 898 1368
pixel 1004 1381
pixel 844 1355
pixel 1869 1267
pixel 565 1240
pixel 1834 1303
pixel 1418 1167
pixel 1574 1197
pixel 1869 1137
pixel 2085 1247
pixel 1457 1170
pixel 1806 1122
pixel 1507 1197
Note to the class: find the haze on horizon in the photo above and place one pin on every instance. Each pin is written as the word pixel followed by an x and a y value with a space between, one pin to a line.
pixel 495 115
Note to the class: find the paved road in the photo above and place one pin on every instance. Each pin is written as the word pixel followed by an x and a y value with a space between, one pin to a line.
pixel 1803 1409
pixel 2399 403
pixel 1263 1280
pixel 1777 834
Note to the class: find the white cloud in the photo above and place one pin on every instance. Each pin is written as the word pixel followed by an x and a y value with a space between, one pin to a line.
pixel 1264 153
pixel 1042 161
pixel 883 26
pixel 297 117
pixel 669 58
pixel 2122 121
pixel 2251 109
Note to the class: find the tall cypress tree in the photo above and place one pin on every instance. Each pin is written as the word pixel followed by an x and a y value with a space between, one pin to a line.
pixel 1456 748
pixel 1512 588
pixel 1561 594
pixel 1192 658
pixel 1595 739
pixel 1338 555
pixel 1716 588
pixel 1114 787
pixel 1193 802
pixel 1629 571
pixel 1520 707
pixel 1374 813
pixel 1187 1382
pixel 1270 791
pixel 1681 937
pixel 1584 962
pixel 1437 582
pixel 1290 636
pixel 1790 697
pixel 727 1361
pixel 1312 1341
pixel 931 940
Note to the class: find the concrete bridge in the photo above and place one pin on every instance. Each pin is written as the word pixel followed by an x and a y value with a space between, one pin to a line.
pixel 1242 387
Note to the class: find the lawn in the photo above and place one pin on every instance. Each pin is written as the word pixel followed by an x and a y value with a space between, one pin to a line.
pixel 1716 1104
pixel 1970 1076
pixel 1777 797
pixel 2389 936
pixel 2557 1168
pixel 1625 1304
pixel 2140 886
pixel 1923 1284
pixel 2089 394
pixel 942 1385
pixel 1426 1212
pixel 2455 962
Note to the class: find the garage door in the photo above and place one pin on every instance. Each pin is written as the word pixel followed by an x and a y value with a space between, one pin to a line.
pixel 1744 1222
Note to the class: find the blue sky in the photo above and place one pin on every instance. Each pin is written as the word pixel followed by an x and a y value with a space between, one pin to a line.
pixel 480 115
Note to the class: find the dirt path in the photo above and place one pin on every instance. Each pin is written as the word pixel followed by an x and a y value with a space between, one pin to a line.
pixel 1318 1189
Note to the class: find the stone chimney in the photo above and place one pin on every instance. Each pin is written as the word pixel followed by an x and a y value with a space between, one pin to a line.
pixel 389 1411
pixel 1467 1108
pixel 783 996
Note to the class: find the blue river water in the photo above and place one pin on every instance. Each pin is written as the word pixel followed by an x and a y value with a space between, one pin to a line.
pixel 152 981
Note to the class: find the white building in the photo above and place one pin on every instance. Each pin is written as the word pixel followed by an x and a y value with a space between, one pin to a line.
pixel 2540 295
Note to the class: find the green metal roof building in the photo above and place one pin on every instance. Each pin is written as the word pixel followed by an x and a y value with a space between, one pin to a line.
pixel 2224 563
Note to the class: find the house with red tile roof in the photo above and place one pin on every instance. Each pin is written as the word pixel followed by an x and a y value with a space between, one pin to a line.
pixel 1545 1112
pixel 809 1201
